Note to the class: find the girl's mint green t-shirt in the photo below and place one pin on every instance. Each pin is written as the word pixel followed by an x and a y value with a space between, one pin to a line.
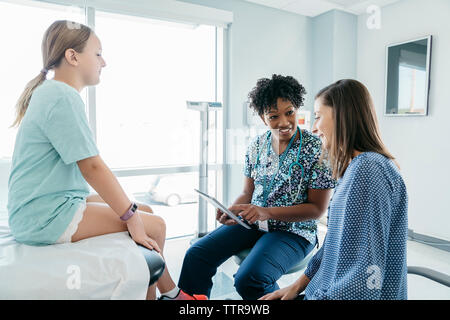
pixel 45 185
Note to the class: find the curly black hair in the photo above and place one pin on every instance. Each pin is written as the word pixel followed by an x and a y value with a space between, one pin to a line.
pixel 264 96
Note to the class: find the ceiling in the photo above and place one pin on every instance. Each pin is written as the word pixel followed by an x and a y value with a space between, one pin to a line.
pixel 312 8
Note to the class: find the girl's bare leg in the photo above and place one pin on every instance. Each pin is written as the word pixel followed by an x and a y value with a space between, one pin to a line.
pixel 99 219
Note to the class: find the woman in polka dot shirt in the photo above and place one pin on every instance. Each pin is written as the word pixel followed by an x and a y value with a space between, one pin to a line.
pixel 364 252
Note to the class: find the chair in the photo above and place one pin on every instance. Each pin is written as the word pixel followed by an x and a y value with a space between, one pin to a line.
pixel 239 258
pixel 431 274
pixel 155 263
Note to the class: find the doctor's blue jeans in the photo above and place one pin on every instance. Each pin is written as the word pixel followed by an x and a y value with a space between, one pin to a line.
pixel 272 255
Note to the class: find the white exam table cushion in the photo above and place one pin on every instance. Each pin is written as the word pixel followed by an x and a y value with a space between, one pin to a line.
pixel 104 267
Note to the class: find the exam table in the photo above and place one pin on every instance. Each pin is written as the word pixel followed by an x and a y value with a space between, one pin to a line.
pixel 111 266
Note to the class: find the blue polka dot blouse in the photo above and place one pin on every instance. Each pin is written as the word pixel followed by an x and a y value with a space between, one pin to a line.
pixel 364 252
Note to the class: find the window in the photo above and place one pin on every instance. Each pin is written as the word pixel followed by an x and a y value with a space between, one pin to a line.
pixel 172 197
pixel 142 120
pixel 153 68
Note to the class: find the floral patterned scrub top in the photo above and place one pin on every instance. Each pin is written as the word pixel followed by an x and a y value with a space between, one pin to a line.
pixel 262 163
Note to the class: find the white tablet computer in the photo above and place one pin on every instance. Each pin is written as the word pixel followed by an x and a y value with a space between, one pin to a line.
pixel 220 206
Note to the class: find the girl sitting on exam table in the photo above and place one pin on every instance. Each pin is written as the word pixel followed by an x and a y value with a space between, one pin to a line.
pixel 55 158
pixel 364 252
pixel 286 189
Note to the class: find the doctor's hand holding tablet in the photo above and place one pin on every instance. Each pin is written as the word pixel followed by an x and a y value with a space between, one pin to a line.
pixel 247 212
pixel 243 214
pixel 223 218
pixel 250 213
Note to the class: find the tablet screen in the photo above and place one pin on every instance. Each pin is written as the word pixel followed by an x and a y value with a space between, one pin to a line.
pixel 220 206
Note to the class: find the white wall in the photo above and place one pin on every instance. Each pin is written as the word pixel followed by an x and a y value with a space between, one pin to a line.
pixel 333 55
pixel 421 144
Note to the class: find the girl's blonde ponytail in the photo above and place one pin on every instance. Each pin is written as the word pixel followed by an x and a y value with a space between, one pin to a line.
pixel 59 37
pixel 24 100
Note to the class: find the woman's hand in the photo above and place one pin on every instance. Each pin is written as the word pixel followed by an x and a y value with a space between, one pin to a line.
pixel 251 213
pixel 288 293
pixel 137 231
pixel 223 218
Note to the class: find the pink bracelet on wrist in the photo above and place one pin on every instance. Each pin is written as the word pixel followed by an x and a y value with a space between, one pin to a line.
pixel 131 211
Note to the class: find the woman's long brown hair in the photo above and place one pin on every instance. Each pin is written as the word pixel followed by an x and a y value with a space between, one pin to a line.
pixel 355 123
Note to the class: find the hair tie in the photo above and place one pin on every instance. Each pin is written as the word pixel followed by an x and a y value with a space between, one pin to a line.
pixel 44 70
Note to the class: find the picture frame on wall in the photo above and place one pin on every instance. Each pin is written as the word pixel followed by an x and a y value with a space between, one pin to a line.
pixel 407 82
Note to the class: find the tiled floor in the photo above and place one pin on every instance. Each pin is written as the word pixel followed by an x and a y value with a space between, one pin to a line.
pixel 418 255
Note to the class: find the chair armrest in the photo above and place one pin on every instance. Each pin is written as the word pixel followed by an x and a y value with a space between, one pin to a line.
pixel 431 274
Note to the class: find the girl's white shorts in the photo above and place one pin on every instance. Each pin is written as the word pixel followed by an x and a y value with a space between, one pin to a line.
pixel 73 225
